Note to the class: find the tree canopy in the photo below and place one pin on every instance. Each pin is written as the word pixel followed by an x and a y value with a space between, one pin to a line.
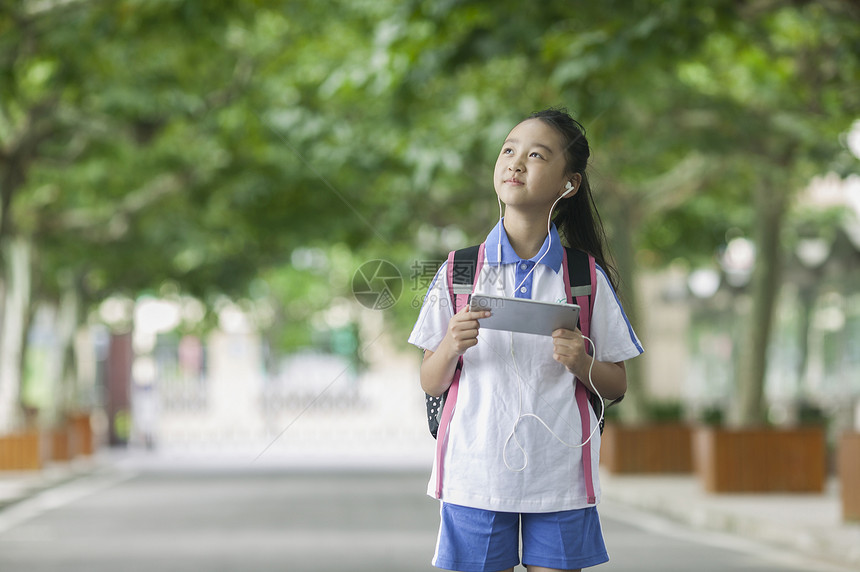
pixel 206 145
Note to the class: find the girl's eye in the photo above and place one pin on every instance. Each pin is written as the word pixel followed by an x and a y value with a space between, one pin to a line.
pixel 507 151
pixel 535 154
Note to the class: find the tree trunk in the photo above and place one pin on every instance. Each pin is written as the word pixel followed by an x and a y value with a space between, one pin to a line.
pixel 17 254
pixel 69 322
pixel 807 295
pixel 625 224
pixel 770 208
pixel 61 375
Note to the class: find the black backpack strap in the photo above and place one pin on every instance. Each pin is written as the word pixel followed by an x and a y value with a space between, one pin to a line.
pixel 580 276
pixel 465 263
pixel 579 272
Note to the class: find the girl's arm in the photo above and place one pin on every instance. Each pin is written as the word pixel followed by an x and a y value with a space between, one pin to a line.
pixel 438 367
pixel 610 379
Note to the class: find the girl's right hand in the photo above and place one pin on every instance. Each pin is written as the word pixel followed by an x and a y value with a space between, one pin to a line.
pixel 437 369
pixel 463 328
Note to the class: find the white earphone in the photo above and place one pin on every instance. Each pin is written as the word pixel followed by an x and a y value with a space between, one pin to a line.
pixel 512 436
pixel 568 188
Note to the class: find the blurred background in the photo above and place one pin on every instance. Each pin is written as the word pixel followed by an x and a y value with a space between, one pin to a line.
pixel 218 219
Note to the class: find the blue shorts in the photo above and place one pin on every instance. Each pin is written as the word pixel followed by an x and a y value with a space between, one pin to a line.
pixel 476 540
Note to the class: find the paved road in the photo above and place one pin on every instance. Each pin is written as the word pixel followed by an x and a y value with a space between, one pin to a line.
pixel 302 521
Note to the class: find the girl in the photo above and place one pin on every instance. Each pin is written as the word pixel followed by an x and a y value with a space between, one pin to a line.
pixel 513 451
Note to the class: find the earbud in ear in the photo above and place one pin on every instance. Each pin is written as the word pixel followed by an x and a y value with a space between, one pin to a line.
pixel 568 188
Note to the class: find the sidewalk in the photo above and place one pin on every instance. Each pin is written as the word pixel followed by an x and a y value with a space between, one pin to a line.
pixel 807 524
pixel 16 486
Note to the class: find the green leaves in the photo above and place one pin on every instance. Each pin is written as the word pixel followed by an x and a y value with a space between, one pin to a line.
pixel 203 143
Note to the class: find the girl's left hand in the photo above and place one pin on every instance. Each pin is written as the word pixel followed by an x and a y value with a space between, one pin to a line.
pixel 569 350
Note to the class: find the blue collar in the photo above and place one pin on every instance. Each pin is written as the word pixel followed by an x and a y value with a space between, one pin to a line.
pixel 552 259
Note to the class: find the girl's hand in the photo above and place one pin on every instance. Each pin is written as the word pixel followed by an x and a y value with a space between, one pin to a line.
pixel 569 350
pixel 438 367
pixel 463 328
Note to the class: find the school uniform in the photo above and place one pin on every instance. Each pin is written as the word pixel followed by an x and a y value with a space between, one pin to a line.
pixel 511 381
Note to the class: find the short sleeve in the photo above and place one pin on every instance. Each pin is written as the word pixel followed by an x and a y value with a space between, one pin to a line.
pixel 613 335
pixel 436 312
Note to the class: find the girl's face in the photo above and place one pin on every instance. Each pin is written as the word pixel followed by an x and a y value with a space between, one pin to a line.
pixel 530 171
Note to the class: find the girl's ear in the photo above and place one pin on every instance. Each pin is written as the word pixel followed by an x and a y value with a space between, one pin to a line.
pixel 572 184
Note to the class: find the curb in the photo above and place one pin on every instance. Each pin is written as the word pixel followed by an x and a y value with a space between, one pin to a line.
pixel 807 524
pixel 17 486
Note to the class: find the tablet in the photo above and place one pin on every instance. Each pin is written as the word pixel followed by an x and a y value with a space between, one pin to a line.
pixel 525 316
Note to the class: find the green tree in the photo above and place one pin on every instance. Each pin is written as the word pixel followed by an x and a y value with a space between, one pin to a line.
pixel 202 145
pixel 707 113
pixel 782 77
pixel 108 144
pixel 144 143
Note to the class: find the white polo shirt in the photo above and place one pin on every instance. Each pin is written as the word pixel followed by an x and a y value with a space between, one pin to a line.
pixel 509 378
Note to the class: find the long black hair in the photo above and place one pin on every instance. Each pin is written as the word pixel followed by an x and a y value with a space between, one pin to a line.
pixel 576 218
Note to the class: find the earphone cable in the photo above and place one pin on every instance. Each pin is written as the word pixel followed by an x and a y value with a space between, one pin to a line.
pixel 521 416
pixel 548 228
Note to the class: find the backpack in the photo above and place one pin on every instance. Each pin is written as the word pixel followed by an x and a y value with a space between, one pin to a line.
pixel 463 268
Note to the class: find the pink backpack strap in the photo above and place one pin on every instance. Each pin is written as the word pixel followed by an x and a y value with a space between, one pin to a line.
pixel 587 301
pixel 580 392
pixel 458 301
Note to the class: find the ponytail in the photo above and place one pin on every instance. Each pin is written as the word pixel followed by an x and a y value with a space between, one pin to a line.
pixel 581 227
pixel 577 219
